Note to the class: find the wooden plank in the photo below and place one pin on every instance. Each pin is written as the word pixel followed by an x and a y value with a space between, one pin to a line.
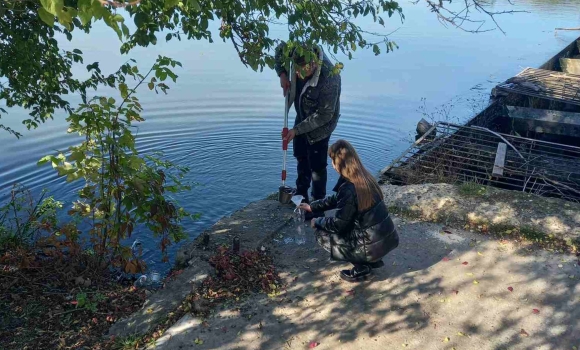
pixel 544 115
pixel 570 65
pixel 499 163
pixel 544 121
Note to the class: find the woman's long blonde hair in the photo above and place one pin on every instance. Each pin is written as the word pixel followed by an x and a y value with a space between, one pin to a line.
pixel 348 164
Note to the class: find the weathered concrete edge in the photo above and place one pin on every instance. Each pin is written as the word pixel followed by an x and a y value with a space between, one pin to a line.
pixel 157 307
pixel 463 212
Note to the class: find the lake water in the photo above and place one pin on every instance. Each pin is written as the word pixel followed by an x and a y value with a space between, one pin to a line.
pixel 224 120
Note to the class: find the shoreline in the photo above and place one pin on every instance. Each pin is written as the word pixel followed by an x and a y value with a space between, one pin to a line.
pixel 452 206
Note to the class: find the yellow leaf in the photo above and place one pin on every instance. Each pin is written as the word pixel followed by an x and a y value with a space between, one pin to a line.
pixel 469 274
pixel 479 253
pixel 446 340
pixel 475 282
pixel 149 310
pixel 461 334
pixel 198 341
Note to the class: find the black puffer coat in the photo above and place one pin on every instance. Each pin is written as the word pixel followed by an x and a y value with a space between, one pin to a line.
pixel 357 237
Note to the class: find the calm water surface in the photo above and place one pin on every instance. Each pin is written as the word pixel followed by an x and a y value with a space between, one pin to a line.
pixel 224 121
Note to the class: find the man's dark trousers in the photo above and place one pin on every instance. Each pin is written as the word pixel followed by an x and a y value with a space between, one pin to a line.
pixel 312 163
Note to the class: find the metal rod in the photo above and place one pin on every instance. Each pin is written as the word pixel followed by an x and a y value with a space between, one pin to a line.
pixel 434 127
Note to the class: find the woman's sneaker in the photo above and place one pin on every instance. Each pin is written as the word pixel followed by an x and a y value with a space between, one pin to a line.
pixel 357 274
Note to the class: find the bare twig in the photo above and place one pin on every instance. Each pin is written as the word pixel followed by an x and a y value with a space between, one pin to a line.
pixel 458 18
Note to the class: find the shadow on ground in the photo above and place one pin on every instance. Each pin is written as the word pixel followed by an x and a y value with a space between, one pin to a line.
pixel 418 300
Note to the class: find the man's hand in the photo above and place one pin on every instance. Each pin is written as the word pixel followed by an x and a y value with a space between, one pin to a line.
pixel 284 83
pixel 290 136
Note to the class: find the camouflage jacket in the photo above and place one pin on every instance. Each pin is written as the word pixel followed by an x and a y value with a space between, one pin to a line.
pixel 319 104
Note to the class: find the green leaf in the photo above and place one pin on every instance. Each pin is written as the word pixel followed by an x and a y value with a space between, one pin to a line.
pixel 73 176
pixel 124 91
pixel 151 85
pixel 53 6
pixel 135 162
pixel 168 37
pixel 46 17
pixel 85 11
pixel 170 4
pixel 140 19
pixel 125 30
pixel 99 11
pixel 65 18
pixel 118 18
pixel 195 5
pixel 45 160
pixel 77 156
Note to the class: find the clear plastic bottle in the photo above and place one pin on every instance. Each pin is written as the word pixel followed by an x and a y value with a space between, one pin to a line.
pixel 299 217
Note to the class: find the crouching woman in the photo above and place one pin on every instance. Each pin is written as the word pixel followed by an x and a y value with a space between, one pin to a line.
pixel 361 230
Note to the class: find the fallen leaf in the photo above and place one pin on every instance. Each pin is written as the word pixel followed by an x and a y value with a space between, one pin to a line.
pixel 446 340
pixel 198 341
pixel 524 333
pixel 149 310
pixel 536 311
pixel 445 259
pixel 469 274
pixel 479 253
pixel 350 292
pixel 313 344
pixel 510 289
pixel 475 282
pixel 461 334
pixel 455 291
pixel 464 263
pixel 560 266
pixel 405 345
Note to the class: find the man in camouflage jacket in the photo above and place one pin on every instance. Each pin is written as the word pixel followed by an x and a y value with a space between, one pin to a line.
pixel 315 93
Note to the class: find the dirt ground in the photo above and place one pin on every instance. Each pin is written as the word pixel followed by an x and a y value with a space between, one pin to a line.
pixel 438 290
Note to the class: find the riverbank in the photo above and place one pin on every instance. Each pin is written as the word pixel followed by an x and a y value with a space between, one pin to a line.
pixel 444 286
